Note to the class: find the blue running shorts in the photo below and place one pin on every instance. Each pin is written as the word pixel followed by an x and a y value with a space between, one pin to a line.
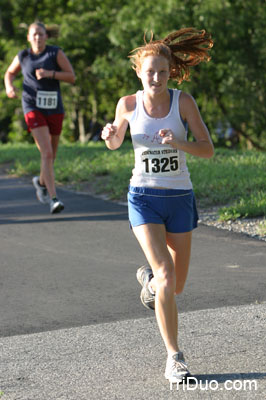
pixel 174 208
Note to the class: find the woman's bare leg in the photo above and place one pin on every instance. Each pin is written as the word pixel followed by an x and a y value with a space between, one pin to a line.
pixel 43 141
pixel 152 238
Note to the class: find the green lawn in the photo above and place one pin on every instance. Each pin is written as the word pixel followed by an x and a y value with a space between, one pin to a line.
pixel 233 180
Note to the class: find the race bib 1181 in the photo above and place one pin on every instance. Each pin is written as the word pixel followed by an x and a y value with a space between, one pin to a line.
pixel 46 100
pixel 160 161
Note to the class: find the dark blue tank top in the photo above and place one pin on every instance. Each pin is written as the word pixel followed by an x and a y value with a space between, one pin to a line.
pixel 35 95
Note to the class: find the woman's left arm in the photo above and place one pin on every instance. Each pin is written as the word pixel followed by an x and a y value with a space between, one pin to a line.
pixel 189 111
pixel 66 74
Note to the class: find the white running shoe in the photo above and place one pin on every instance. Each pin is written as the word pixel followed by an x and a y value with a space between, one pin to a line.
pixel 176 369
pixel 41 191
pixel 56 206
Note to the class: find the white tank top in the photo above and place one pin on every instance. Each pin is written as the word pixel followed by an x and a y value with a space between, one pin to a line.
pixel 158 165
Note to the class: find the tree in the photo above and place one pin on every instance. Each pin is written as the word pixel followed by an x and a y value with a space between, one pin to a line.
pixel 229 89
pixel 83 37
pixel 98 36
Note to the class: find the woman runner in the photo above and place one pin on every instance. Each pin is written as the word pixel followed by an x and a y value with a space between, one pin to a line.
pixel 42 66
pixel 162 209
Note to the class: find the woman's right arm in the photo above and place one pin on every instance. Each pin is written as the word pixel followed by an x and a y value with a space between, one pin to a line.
pixel 13 69
pixel 114 133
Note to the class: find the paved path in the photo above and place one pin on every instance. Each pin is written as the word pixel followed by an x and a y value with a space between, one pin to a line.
pixel 72 326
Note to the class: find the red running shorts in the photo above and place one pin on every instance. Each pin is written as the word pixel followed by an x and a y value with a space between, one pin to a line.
pixel 34 119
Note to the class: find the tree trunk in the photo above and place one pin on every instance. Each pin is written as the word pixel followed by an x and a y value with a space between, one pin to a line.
pixel 82 130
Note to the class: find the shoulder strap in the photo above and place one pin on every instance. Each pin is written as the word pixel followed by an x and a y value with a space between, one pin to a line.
pixel 138 105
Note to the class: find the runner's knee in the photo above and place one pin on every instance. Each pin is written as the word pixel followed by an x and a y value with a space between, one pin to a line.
pixel 47 155
pixel 165 278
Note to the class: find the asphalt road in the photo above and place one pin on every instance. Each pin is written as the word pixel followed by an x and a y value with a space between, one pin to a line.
pixel 61 274
pixel 78 267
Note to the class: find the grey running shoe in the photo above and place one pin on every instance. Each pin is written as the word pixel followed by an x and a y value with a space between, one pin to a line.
pixel 144 275
pixel 176 369
pixel 56 206
pixel 41 191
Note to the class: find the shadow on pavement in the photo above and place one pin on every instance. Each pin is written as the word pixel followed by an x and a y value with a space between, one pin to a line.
pixel 18 205
pixel 222 378
pixel 52 219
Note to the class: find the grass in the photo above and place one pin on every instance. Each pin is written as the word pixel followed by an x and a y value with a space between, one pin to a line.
pixel 233 180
